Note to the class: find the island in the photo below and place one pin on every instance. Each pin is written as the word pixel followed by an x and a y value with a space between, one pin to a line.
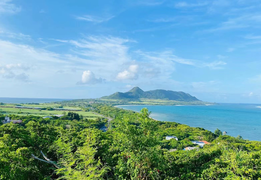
pixel 136 96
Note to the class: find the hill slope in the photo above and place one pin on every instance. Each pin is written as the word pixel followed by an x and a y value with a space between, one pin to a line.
pixel 136 93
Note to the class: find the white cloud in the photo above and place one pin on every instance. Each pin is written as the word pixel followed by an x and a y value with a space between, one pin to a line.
pixel 239 22
pixel 22 77
pixel 38 64
pixel 221 57
pixel 88 77
pixel 215 65
pixel 256 79
pixel 149 2
pixel 111 55
pixel 94 19
pixel 128 86
pixel 130 74
pixel 6 6
pixel 108 57
pixel 252 95
pixel 208 86
pixel 14 71
pixel 189 5
pixel 12 35
pixel 165 56
pixel 231 49
pixel 251 37
pixel 161 64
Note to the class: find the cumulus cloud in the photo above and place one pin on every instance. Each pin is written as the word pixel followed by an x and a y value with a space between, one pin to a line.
pixel 39 65
pixel 14 71
pixel 6 6
pixel 130 74
pixel 88 77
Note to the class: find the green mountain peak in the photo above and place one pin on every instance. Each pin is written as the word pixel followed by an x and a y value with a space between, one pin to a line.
pixel 137 93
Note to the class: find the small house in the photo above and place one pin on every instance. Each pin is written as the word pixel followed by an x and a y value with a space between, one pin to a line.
pixel 200 143
pixel 171 137
pixel 8 120
pixel 190 148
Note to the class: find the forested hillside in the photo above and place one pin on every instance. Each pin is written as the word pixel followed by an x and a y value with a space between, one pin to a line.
pixel 134 147
pixel 136 93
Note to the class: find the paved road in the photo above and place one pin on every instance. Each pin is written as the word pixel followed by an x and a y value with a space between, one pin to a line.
pixel 104 128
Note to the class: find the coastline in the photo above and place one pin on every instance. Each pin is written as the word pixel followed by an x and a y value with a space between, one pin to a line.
pixel 226 117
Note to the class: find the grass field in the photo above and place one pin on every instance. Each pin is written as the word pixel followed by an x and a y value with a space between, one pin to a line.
pixel 52 105
pixel 144 101
pixel 10 109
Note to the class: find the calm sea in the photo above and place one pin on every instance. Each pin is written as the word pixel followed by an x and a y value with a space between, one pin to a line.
pixel 29 100
pixel 235 119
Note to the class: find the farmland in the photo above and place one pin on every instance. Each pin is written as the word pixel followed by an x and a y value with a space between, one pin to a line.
pixel 49 109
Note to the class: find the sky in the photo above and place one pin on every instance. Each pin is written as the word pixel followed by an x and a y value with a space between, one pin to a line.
pixel 77 49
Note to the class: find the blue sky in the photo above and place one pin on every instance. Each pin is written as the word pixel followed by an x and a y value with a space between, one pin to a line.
pixel 87 49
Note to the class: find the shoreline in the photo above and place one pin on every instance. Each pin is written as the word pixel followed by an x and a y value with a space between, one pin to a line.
pixel 222 117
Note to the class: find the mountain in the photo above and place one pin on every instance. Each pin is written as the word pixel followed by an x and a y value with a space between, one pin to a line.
pixel 136 93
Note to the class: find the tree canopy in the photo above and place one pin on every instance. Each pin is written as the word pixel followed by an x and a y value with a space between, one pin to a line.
pixel 134 147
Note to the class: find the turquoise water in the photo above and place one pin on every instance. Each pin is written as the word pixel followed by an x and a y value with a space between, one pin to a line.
pixel 28 100
pixel 236 119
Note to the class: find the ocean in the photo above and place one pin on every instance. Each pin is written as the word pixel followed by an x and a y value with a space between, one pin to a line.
pixel 235 119
pixel 29 100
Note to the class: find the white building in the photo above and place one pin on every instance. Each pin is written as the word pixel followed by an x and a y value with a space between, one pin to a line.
pixel 7 120
pixel 190 148
pixel 200 143
pixel 171 137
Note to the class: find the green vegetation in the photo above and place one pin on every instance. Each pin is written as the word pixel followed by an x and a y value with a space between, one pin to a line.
pixel 44 110
pixel 155 97
pixel 134 147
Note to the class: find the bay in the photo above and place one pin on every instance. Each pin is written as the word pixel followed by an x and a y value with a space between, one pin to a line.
pixel 235 119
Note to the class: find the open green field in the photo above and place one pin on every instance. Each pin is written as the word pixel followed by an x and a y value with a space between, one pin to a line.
pixel 10 109
pixel 144 101
pixel 45 105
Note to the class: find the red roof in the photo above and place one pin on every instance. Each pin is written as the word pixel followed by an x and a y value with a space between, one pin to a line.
pixel 205 142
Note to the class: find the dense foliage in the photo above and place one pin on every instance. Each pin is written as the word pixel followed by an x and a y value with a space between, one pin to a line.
pixel 136 93
pixel 134 147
